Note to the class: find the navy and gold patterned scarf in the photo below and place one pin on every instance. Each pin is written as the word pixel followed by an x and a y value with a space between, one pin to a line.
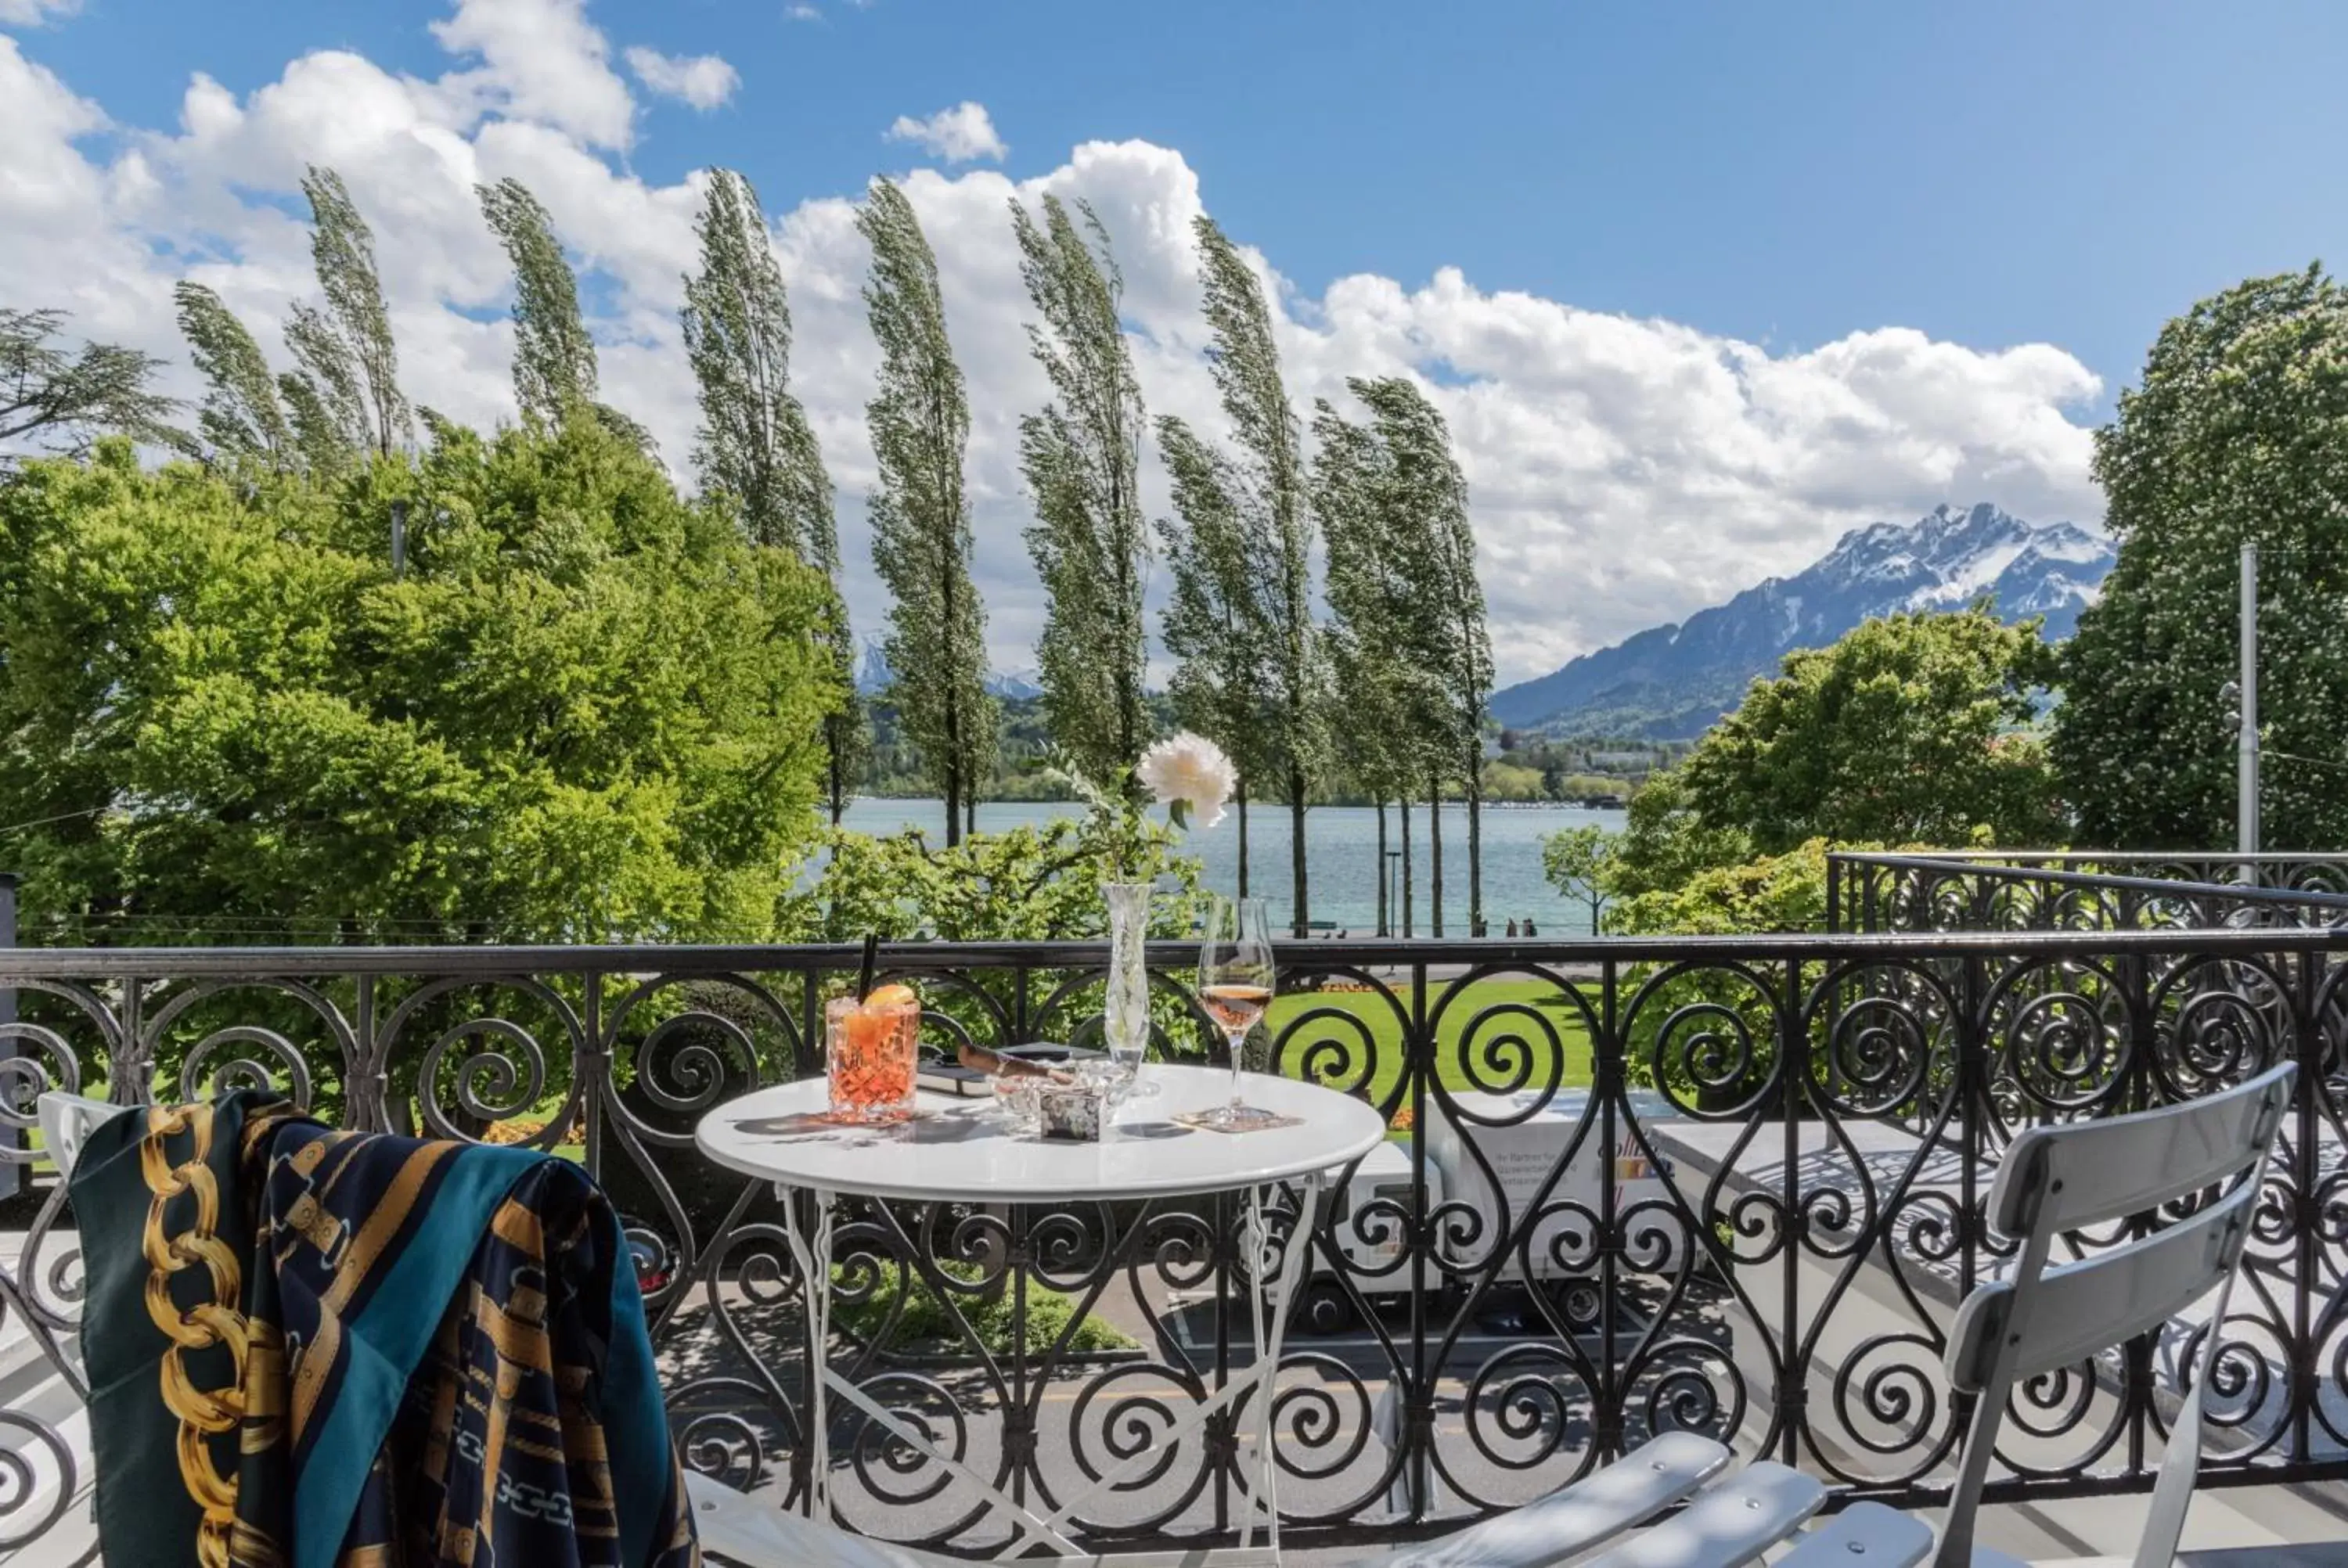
pixel 318 1350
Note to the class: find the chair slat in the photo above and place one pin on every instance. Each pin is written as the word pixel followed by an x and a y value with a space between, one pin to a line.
pixel 2087 1173
pixel 1575 1518
pixel 2098 1302
pixel 1864 1535
pixel 1728 1526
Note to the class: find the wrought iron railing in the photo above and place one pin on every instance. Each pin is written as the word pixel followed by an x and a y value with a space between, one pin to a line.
pixel 1980 890
pixel 1747 1179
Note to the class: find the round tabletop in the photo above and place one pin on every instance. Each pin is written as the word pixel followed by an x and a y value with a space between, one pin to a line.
pixel 959 1148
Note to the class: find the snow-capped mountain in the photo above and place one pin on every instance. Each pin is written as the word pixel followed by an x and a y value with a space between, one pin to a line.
pixel 1672 682
pixel 872 676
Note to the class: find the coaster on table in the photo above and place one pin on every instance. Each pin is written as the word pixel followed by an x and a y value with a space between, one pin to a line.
pixel 1256 1122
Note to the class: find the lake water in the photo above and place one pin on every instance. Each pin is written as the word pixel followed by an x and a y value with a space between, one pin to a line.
pixel 1341 843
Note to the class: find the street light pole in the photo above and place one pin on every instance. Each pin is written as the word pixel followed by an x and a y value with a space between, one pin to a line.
pixel 2246 740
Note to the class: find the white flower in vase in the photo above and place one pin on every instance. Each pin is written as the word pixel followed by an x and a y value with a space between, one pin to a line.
pixel 1188 775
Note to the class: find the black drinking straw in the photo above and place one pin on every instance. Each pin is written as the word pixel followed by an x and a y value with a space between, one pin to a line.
pixel 872 961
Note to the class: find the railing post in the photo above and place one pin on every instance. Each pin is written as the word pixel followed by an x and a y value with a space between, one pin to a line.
pixel 9 1178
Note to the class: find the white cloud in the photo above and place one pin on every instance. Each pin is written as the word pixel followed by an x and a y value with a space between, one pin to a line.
pixel 541 60
pixel 704 81
pixel 33 13
pixel 1623 471
pixel 959 135
pixel 801 11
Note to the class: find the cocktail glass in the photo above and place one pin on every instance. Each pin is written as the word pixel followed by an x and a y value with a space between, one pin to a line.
pixel 871 1048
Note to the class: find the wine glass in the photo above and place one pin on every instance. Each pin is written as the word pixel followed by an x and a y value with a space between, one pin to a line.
pixel 1235 985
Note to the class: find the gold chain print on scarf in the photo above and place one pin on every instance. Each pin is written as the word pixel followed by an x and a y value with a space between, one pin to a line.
pixel 203 1413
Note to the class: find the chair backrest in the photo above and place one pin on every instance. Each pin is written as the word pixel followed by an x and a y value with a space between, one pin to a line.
pixel 2060 1179
pixel 65 1122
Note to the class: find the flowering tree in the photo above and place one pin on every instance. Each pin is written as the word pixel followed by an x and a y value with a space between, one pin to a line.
pixel 2237 433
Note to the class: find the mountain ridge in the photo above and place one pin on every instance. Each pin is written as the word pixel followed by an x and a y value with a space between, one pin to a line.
pixel 1672 682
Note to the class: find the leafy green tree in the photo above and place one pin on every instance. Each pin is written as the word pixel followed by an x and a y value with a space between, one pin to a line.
pixel 755 446
pixel 1577 861
pixel 1665 842
pixel 53 400
pixel 242 419
pixel 554 366
pixel 1909 728
pixel 587 711
pixel 1082 458
pixel 1251 537
pixel 920 508
pixel 2239 432
pixel 1769 893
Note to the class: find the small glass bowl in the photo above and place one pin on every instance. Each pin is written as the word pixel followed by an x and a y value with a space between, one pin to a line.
pixel 1019 1101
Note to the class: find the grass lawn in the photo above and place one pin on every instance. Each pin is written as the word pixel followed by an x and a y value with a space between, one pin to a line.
pixel 1524 1001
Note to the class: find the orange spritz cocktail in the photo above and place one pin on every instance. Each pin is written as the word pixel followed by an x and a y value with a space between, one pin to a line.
pixel 869 1053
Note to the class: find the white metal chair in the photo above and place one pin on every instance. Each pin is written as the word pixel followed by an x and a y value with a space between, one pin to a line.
pixel 2052 1181
pixel 2058 1180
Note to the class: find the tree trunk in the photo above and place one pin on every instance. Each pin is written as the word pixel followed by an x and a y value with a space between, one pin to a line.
pixel 970 810
pixel 1296 847
pixel 1434 846
pixel 1239 798
pixel 1404 804
pixel 1385 915
pixel 1476 842
pixel 954 805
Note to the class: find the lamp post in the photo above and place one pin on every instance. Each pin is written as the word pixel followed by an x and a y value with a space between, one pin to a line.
pixel 2240 697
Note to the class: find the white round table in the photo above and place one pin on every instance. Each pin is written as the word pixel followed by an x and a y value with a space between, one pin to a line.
pixel 959 1150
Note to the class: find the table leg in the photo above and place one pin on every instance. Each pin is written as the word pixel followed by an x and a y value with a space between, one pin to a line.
pixel 1270 1324
pixel 813 1256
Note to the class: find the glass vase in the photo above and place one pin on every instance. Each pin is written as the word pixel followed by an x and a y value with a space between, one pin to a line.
pixel 1125 1025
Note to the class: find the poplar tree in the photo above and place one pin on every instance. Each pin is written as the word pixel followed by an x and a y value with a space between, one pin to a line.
pixel 1269 490
pixel 242 418
pixel 919 509
pixel 1375 688
pixel 754 447
pixel 1447 636
pixel 341 250
pixel 323 400
pixel 1215 623
pixel 554 358
pixel 1082 457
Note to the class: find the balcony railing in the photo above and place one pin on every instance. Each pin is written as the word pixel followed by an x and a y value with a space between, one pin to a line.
pixel 1743 1184
pixel 1996 889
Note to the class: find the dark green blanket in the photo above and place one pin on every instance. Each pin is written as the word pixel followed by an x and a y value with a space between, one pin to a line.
pixel 309 1349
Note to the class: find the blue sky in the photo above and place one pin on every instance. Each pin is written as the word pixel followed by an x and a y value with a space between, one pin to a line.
pixel 1992 173
pixel 1700 287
